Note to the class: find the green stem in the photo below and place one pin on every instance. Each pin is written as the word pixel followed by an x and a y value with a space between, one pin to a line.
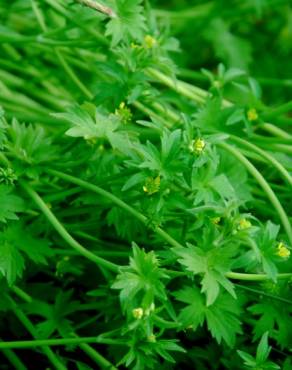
pixel 282 148
pixel 73 76
pixel 276 131
pixel 13 359
pixel 274 81
pixel 265 186
pixel 267 156
pixel 255 277
pixel 60 56
pixel 57 342
pixel 260 292
pixel 64 234
pixel 31 329
pixel 194 93
pixel 277 111
pixel 97 357
pixel 99 7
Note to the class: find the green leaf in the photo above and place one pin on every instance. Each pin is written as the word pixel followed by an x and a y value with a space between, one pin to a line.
pixel 104 127
pixel 55 314
pixel 129 23
pixel 221 317
pixel 222 186
pixel 30 144
pixel 143 277
pixel 10 204
pixel 263 349
pixel 16 242
pixel 11 261
pixel 211 265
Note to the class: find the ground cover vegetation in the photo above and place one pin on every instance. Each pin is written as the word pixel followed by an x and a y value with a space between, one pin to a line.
pixel 145 184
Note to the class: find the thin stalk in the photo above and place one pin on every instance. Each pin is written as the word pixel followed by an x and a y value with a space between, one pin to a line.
pixel 21 344
pixel 267 156
pixel 255 277
pixel 275 112
pixel 99 7
pixel 276 131
pixel 282 148
pixel 274 81
pixel 14 359
pixel 196 94
pixel 265 186
pixel 260 292
pixel 31 329
pixel 64 233
pixel 97 357
pixel 60 57
pixel 147 111
pixel 73 76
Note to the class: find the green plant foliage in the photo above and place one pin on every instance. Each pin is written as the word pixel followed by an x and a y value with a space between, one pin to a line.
pixel 145 184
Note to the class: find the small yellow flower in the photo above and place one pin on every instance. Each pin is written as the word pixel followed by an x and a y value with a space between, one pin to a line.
pixel 124 113
pixel 244 224
pixel 252 115
pixel 216 220
pixel 152 185
pixel 217 84
pixel 152 338
pixel 283 251
pixel 197 146
pixel 138 313
pixel 149 41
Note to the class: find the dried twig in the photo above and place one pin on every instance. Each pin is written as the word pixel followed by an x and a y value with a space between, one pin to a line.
pixel 99 7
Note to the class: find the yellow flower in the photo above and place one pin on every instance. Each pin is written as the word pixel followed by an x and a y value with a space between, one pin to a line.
pixel 149 41
pixel 215 220
pixel 244 224
pixel 124 113
pixel 152 338
pixel 217 84
pixel 152 185
pixel 252 115
pixel 138 313
pixel 197 146
pixel 283 251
